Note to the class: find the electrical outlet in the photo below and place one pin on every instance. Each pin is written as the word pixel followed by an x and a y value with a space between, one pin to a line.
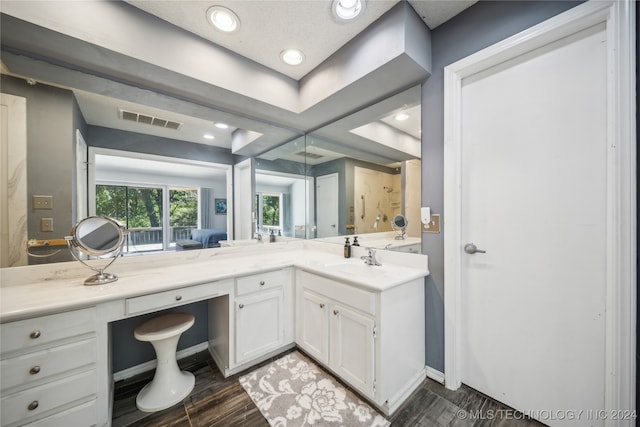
pixel 433 226
pixel 46 224
pixel 42 202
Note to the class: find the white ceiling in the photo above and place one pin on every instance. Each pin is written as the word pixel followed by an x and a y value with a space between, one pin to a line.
pixel 270 26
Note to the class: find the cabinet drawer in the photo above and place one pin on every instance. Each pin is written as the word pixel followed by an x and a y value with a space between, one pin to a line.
pixel 79 416
pixel 161 300
pixel 357 298
pixel 40 365
pixel 28 333
pixel 257 282
pixel 38 400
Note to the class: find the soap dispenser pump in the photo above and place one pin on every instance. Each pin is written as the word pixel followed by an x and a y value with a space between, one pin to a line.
pixel 355 241
pixel 347 248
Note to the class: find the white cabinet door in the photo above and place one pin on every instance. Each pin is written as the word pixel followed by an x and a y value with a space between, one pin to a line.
pixel 352 348
pixel 259 324
pixel 314 329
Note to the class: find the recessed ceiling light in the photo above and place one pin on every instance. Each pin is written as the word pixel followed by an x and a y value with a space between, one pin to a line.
pixel 220 125
pixel 292 56
pixel 402 117
pixel 347 10
pixel 223 19
pixel 209 136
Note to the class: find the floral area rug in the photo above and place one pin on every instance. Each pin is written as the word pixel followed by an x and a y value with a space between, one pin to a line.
pixel 293 391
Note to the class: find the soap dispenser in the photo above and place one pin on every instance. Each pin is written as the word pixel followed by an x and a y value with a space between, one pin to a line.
pixel 355 241
pixel 347 248
pixel 272 237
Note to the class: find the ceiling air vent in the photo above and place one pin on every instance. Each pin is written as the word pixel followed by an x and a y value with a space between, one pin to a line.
pixel 309 155
pixel 149 120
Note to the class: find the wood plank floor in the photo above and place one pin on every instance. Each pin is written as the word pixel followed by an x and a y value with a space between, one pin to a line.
pixel 218 401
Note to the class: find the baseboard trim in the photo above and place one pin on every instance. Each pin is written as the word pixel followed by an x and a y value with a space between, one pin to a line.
pixel 151 364
pixel 435 375
pixel 394 403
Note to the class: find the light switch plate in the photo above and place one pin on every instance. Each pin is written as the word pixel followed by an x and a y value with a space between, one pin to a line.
pixel 433 226
pixel 42 202
pixel 46 224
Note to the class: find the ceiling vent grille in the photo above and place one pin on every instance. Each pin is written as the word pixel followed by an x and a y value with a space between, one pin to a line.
pixel 149 120
pixel 309 155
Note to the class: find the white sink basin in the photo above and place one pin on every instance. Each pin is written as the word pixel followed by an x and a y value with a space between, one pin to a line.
pixel 245 242
pixel 357 267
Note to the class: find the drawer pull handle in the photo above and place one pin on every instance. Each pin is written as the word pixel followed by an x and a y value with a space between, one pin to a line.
pixel 34 370
pixel 262 283
pixel 33 405
pixel 34 334
pixel 321 305
pixel 240 305
pixel 178 297
pixel 336 312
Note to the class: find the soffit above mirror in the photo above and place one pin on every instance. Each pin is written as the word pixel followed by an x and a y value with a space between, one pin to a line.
pixel 129 47
pixel 268 27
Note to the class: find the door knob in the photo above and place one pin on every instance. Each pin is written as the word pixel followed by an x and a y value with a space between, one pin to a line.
pixel 471 248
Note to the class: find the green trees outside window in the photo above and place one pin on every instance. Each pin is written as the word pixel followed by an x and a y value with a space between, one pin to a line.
pixel 141 211
pixel 271 210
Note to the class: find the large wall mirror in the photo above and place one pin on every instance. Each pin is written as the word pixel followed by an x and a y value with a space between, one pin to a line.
pixel 350 178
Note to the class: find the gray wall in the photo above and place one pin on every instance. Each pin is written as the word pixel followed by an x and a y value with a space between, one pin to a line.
pixel 480 26
pixel 52 117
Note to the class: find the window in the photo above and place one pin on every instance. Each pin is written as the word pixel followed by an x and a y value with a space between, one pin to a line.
pixel 141 211
pixel 183 214
pixel 269 209
pixel 159 199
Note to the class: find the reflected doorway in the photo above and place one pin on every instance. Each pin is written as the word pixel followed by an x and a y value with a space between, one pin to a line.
pixel 327 205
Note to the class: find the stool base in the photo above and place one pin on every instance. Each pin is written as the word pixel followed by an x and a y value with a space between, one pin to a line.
pixel 159 395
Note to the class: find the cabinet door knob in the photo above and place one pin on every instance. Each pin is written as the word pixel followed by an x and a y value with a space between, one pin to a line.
pixel 262 283
pixel 34 334
pixel 178 297
pixel 321 305
pixel 336 312
pixel 33 405
pixel 34 370
pixel 240 305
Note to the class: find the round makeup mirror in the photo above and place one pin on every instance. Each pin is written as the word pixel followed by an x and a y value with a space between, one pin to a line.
pixel 399 223
pixel 99 237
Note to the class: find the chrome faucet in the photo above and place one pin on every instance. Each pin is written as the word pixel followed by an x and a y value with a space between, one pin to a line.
pixel 371 258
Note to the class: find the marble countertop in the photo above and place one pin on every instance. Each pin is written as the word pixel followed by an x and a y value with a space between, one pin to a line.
pixel 43 289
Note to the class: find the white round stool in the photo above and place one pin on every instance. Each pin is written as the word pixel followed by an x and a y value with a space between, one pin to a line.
pixel 170 385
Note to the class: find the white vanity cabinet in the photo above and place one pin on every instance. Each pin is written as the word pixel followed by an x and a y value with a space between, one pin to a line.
pixel 258 321
pixel 48 369
pixel 371 339
pixel 260 314
pixel 336 326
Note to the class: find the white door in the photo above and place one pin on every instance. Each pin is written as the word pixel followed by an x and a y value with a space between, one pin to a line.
pixel 81 177
pixel 351 346
pixel 327 205
pixel 259 324
pixel 313 333
pixel 13 181
pixel 533 193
